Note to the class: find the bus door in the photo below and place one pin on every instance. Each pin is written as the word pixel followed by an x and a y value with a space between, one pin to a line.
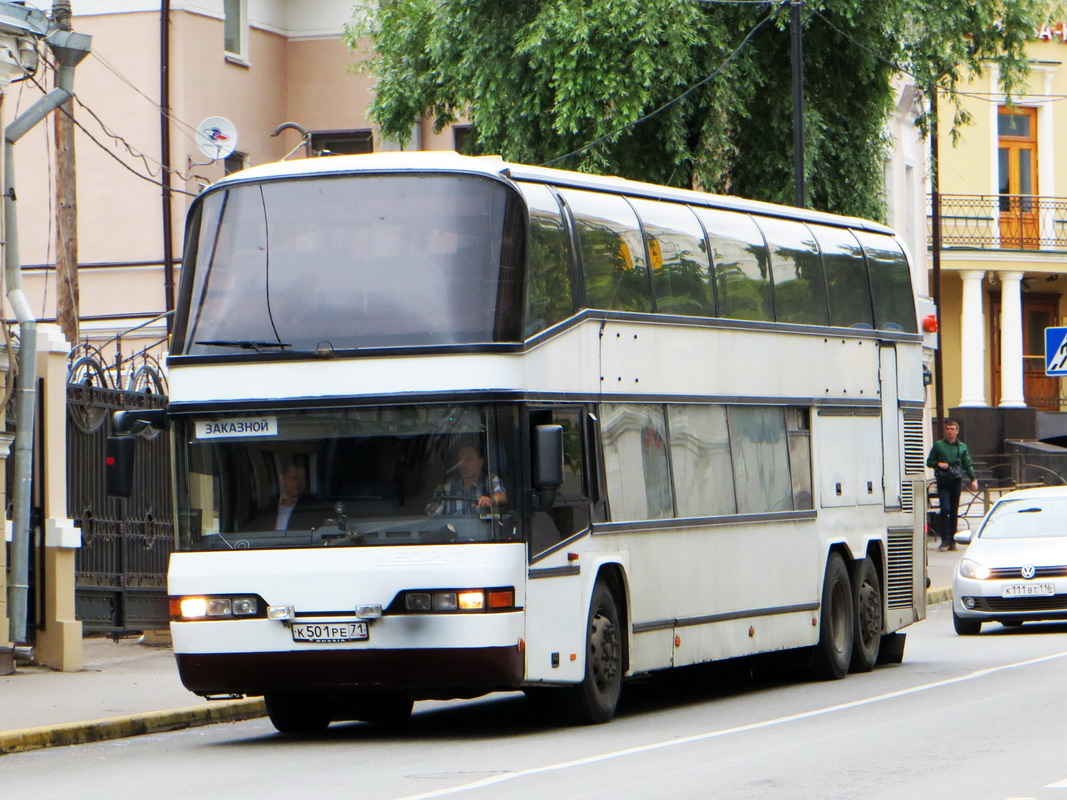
pixel 555 600
pixel 891 444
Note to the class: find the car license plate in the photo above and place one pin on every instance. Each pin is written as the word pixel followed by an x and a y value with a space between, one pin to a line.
pixel 324 632
pixel 1028 590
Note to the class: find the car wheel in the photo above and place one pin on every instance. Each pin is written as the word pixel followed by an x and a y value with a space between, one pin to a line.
pixel 966 627
pixel 833 653
pixel 867 613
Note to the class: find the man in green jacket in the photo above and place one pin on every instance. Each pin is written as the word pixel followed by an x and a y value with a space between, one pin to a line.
pixel 950 460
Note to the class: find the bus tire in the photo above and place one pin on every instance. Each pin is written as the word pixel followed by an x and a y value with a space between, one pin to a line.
pixel 298 712
pixel 833 653
pixel 867 611
pixel 593 701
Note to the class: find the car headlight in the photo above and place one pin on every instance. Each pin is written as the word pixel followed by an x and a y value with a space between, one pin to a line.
pixel 974 570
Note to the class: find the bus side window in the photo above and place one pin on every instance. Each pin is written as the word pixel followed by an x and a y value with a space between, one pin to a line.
pixel 742 265
pixel 570 513
pixel 894 304
pixel 799 282
pixel 548 279
pixel 846 277
pixel 612 252
pixel 681 274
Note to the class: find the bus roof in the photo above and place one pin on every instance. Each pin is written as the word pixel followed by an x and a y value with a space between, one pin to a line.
pixel 495 166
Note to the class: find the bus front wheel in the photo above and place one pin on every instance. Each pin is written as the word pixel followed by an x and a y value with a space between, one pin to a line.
pixel 593 701
pixel 298 712
pixel 833 653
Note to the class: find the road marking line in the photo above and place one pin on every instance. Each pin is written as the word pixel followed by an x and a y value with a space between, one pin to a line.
pixel 700 737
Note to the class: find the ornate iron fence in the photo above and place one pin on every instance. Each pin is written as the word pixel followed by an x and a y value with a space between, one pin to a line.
pixel 120 583
pixel 1003 222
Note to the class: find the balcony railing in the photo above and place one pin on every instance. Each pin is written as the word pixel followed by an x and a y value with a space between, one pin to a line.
pixel 1003 222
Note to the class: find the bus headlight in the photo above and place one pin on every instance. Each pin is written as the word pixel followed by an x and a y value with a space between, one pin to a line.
pixel 451 601
pixel 215 607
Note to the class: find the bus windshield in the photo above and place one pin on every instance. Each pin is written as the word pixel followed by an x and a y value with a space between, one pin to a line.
pixel 352 261
pixel 349 477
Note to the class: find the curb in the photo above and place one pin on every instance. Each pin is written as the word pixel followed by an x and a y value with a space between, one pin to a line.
pixel 940 595
pixel 133 725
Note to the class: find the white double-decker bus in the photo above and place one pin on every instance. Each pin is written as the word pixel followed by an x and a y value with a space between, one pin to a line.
pixel 449 425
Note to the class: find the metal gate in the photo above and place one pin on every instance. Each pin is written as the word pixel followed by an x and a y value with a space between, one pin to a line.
pixel 120 584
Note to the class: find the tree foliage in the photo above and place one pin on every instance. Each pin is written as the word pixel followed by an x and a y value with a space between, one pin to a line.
pixel 574 83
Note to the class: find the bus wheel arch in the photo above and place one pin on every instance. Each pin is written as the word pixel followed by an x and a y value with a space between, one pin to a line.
pixel 832 655
pixel 594 699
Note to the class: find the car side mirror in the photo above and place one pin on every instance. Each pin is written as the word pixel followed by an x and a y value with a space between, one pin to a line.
pixel 963 537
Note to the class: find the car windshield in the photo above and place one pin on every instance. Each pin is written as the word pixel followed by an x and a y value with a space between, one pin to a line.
pixel 348 477
pixel 1032 517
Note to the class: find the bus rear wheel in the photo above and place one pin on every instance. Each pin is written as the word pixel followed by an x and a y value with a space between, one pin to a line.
pixel 593 701
pixel 833 653
pixel 867 611
pixel 298 712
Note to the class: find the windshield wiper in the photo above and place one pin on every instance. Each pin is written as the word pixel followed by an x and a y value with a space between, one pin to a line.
pixel 244 344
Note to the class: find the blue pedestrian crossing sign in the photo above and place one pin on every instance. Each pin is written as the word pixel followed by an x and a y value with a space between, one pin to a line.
pixel 1056 352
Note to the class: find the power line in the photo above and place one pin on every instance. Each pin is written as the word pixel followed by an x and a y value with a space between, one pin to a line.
pixel 150 178
pixel 983 96
pixel 680 97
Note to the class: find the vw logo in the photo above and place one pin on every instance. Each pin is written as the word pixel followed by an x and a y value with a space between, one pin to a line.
pixel 1028 571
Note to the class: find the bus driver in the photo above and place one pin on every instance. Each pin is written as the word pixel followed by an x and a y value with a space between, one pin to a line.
pixel 470 491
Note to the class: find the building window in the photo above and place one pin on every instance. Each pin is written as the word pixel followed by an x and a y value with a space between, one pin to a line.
pixel 341 143
pixel 235 27
pixel 463 140
pixel 1017 177
pixel 234 162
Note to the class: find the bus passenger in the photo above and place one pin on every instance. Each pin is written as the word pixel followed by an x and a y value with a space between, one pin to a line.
pixel 471 491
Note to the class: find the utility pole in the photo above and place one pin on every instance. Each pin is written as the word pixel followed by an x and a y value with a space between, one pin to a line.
pixel 935 254
pixel 795 26
pixel 164 157
pixel 67 293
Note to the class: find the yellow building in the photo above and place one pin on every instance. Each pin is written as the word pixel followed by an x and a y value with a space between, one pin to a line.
pixel 1004 252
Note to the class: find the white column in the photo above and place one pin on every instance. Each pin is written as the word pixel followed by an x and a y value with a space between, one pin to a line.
pixel 1011 340
pixel 972 341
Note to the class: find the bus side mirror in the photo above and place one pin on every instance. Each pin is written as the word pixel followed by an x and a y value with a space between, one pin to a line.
pixel 140 421
pixel 118 465
pixel 547 463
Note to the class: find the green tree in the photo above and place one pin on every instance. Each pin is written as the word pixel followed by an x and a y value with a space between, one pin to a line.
pixel 542 80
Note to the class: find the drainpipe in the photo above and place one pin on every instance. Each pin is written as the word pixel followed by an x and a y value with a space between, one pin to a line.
pixel 69 49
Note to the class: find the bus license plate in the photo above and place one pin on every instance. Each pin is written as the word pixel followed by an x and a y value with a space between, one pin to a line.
pixel 1028 590
pixel 325 632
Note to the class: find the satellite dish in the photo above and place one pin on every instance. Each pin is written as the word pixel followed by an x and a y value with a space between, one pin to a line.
pixel 216 137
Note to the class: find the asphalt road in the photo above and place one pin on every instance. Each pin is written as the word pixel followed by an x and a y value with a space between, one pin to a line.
pixel 962 717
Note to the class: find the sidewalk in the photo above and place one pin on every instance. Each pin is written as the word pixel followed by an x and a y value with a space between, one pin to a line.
pixel 127 688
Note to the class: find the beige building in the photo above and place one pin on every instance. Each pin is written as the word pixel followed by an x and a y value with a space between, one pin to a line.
pixel 256 63
pixel 1004 253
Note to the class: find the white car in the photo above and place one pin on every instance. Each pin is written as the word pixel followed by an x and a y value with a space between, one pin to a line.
pixel 1015 567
